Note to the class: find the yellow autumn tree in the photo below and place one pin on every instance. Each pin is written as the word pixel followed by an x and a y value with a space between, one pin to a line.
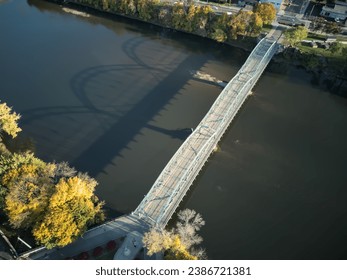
pixel 177 244
pixel 178 16
pixel 9 120
pixel 240 23
pixel 255 24
pixel 178 251
pixel 156 241
pixel 28 190
pixel 47 198
pixel 72 208
pixel 12 162
pixel 266 11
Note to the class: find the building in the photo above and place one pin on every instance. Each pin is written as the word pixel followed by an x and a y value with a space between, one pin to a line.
pixel 337 11
pixel 276 3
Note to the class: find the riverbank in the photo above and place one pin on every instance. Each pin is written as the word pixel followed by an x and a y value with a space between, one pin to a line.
pixel 195 20
pixel 327 72
pixel 203 22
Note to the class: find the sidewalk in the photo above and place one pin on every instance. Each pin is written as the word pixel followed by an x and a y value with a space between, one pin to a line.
pixel 98 236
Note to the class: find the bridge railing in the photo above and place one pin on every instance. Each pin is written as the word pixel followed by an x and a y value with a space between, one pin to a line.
pixel 182 185
pixel 184 182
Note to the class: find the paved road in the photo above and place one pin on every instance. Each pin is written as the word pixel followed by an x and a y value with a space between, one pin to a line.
pixel 93 238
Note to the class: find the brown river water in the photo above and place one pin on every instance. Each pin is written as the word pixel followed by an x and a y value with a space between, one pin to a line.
pixel 116 98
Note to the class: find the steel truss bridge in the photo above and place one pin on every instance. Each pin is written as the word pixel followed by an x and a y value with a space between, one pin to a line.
pixel 174 181
pixel 178 175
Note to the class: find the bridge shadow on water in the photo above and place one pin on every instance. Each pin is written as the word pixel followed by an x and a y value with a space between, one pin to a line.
pixel 117 137
pixel 123 124
pixel 180 133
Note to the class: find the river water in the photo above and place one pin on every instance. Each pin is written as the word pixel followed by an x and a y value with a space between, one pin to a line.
pixel 116 98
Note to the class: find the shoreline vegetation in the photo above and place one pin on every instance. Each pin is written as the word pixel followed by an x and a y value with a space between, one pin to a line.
pixel 50 203
pixel 241 30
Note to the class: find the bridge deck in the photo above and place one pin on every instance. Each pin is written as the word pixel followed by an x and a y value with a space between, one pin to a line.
pixel 175 179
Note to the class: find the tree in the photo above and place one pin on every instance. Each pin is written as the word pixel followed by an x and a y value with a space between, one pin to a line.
pixel 156 241
pixel 219 35
pixel 311 61
pixel 45 198
pixel 165 16
pixel 240 23
pixel 29 188
pixel 72 208
pixel 191 19
pixel 255 24
pixel 332 27
pixel 220 26
pixel 52 200
pixel 266 11
pixel 10 171
pixel 318 23
pixel 9 120
pixel 336 47
pixel 179 242
pixel 295 35
pixel 178 251
pixel 188 224
pixel 178 16
pixel 147 9
pixel 164 241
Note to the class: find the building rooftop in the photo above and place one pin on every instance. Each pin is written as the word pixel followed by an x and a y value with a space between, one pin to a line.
pixel 339 7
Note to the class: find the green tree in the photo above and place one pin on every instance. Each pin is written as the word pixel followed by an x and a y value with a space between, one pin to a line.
pixel 165 16
pixel 130 7
pixel 178 16
pixel 336 47
pixel 266 11
pixel 219 28
pixel 311 62
pixel 147 9
pixel 219 35
pixel 295 35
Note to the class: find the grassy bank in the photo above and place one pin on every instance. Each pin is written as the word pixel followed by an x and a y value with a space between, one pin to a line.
pixel 332 59
pixel 328 69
